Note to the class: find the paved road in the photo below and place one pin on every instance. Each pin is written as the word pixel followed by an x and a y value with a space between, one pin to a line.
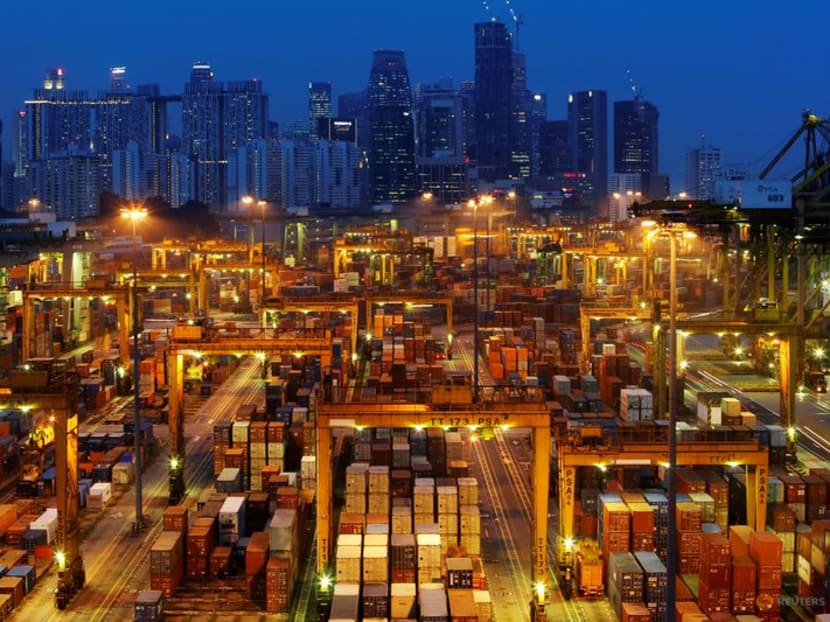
pixel 117 564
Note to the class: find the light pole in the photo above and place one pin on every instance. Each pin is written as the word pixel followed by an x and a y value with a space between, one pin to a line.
pixel 472 203
pixel 262 206
pixel 671 556
pixel 135 215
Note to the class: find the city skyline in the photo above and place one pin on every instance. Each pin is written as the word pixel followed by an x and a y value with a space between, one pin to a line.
pixel 746 107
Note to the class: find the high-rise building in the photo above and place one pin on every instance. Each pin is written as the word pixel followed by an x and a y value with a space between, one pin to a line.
pixel 588 140
pixel 538 115
pixel 336 174
pixel 249 173
pixel 702 166
pixel 625 189
pixel 296 173
pixel 635 138
pixel 118 78
pixel 356 106
pixel 21 144
pixel 392 131
pixel 218 118
pixel 439 116
pixel 554 148
pixel 521 134
pixel 68 184
pixel 493 100
pixel 57 119
pixel 319 104
pixel 337 129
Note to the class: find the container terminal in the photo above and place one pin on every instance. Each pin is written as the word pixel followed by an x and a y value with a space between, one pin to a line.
pixel 412 416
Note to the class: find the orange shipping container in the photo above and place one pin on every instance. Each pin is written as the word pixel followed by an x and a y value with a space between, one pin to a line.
pixel 739 536
pixel 8 514
pixel 765 548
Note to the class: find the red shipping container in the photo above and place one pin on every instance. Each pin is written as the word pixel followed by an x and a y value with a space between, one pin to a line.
pixel 615 542
pixel 795 489
pixel 744 573
pixel 615 517
pixel 689 542
pixel 642 542
pixel 689 564
pixel 403 575
pixel 175 519
pixel 739 537
pixel 256 554
pixel 769 577
pixel 713 599
pixel 278 585
pixel 765 548
pixel 682 591
pixel 220 560
pixel 688 517
pixel 634 612
pixel 715 576
pixel 743 601
pixel 714 549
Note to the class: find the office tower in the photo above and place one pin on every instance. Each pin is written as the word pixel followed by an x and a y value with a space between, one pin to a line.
pixel 466 91
pixel 493 99
pixel 392 132
pixel 702 165
pixel 128 177
pixel 554 148
pixel 538 115
pixel 336 175
pixel 439 121
pixel 625 189
pixel 635 138
pixel 118 78
pixel 588 140
pixel 319 103
pixel 216 119
pixel 57 119
pixel 356 106
pixel 521 133
pixel 337 129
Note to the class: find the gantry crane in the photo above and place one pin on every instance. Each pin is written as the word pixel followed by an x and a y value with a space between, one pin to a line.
pixel 57 393
pixel 358 415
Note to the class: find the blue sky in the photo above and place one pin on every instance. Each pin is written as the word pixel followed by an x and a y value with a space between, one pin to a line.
pixel 739 72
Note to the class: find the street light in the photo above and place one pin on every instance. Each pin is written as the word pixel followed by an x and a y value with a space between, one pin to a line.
pixel 248 200
pixel 472 203
pixel 672 554
pixel 136 215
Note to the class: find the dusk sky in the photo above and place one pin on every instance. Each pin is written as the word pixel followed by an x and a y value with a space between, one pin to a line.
pixel 739 72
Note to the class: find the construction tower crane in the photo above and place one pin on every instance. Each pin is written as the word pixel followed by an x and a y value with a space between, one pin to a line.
pixel 517 20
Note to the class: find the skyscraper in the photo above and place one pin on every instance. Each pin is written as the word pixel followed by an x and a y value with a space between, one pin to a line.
pixel 356 106
pixel 392 142
pixel 538 116
pixel 218 118
pixel 635 139
pixel 554 150
pixel 319 104
pixel 439 114
pixel 702 165
pixel 118 78
pixel 493 99
pixel 588 141
pixel 521 135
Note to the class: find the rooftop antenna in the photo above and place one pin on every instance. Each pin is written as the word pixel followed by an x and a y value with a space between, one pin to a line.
pixel 517 20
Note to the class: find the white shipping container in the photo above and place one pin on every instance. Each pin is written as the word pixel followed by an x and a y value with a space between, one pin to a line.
pixel 469 519
pixel 281 530
pixel 232 520
pixel 375 564
pixel 356 502
pixel 432 598
pixel 123 473
pixel 447 500
pixel 349 539
pixel 100 494
pixel 379 479
pixel 240 433
pixel 375 539
pixel 347 564
pixel 429 550
pixel 402 602
pixel 484 605
pixel 467 491
pixel 401 520
pixel 379 503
